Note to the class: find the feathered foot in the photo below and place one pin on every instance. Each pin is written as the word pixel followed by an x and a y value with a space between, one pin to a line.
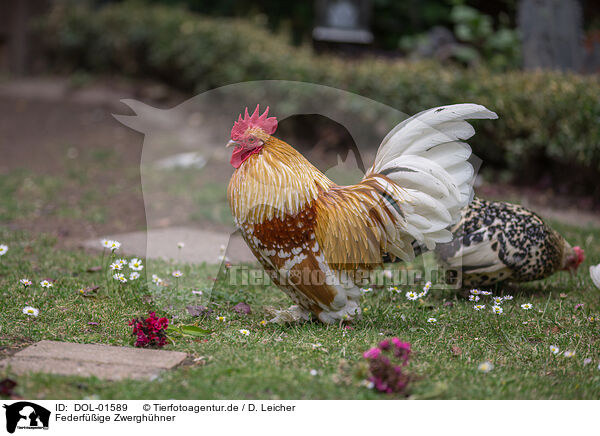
pixel 292 315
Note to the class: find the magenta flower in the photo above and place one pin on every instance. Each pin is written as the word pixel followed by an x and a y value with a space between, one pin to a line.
pixel 385 345
pixel 386 376
pixel 373 353
pixel 150 331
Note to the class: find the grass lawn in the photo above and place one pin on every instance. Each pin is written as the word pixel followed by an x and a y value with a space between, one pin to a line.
pixel 275 362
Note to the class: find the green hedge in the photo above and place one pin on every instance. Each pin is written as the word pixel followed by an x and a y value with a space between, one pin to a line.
pixel 549 121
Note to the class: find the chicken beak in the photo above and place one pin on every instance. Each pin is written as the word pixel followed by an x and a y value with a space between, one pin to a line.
pixel 232 144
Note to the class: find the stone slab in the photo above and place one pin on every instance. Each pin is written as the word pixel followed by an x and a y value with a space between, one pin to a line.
pixel 106 362
pixel 200 245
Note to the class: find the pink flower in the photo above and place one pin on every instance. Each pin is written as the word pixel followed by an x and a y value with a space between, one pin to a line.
pixel 150 331
pixel 384 345
pixel 386 376
pixel 373 353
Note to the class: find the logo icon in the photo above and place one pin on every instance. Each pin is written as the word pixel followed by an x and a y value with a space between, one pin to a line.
pixel 26 415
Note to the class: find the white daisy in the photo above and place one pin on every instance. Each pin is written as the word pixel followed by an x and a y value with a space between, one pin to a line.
pixel 115 245
pixel 587 361
pixel 485 366
pixel 394 289
pixel 121 262
pixel 479 307
pixel 180 245
pixel 497 310
pixel 486 292
pixel 368 384
pixel 106 243
pixel 366 290
pixel 314 372
pixel 411 295
pixel 427 286
pixel 31 311
pixel 475 291
pixel 432 320
pixel 554 349
pixel 473 297
pixel 136 264
pixel 526 306
pixel 244 332
pixel 507 297
pixel 197 292
pixel 45 284
pixel 25 282
pixel 569 353
pixel 156 279
pixel 115 266
pixel 220 318
pixel 387 274
pixel 120 277
pixel 497 300
pixel 134 275
pixel 422 294
pixel 3 249
pixel 177 274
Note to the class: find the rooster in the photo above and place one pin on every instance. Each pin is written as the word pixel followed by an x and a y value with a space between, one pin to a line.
pixel 497 241
pixel 314 237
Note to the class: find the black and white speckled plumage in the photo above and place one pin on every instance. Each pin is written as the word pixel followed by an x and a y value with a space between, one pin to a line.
pixel 497 241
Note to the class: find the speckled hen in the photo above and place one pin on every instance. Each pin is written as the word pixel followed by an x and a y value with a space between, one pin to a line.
pixel 313 236
pixel 497 241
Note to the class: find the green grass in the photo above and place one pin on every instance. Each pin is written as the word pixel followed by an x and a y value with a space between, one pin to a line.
pixel 274 362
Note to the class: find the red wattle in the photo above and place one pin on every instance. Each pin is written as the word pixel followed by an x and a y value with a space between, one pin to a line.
pixel 240 154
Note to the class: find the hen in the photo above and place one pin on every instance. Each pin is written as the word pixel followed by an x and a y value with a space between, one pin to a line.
pixel 316 238
pixel 496 241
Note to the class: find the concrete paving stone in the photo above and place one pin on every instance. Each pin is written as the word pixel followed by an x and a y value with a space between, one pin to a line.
pixel 103 361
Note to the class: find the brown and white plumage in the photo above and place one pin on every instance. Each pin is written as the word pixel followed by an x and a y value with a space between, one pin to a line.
pixel 498 241
pixel 312 235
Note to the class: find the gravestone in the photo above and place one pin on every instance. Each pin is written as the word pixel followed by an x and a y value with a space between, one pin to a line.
pixel 342 23
pixel 552 34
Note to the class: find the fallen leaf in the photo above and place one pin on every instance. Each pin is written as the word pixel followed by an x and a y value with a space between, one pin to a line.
pixel 7 386
pixel 94 269
pixel 199 310
pixel 193 330
pixel 243 308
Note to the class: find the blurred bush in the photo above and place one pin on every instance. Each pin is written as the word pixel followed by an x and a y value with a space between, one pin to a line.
pixel 549 122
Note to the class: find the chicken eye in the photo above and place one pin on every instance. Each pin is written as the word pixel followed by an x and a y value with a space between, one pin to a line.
pixel 251 140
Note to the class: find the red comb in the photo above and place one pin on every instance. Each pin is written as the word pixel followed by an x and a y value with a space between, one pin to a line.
pixel 269 125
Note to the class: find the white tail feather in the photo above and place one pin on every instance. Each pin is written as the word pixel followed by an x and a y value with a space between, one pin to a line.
pixel 424 155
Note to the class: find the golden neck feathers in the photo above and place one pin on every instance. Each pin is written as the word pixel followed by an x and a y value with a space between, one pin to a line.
pixel 273 183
